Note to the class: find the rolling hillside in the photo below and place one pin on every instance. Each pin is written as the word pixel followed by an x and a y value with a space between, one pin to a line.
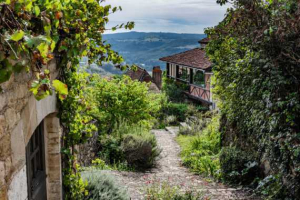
pixel 144 49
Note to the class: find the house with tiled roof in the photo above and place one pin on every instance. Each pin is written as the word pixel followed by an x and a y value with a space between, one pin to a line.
pixel 142 75
pixel 193 68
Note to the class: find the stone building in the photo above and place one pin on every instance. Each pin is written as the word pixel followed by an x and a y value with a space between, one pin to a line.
pixel 30 135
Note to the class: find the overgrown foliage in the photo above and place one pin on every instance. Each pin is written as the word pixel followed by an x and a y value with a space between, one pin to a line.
pixel 173 89
pixel 201 150
pixel 157 190
pixel 132 145
pixel 121 98
pixel 255 51
pixel 140 148
pixel 34 33
pixel 238 167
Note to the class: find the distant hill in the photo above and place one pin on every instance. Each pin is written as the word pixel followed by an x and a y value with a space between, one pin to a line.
pixel 144 49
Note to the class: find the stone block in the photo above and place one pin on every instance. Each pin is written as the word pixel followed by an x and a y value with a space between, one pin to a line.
pixel 8 167
pixel 53 148
pixel 5 149
pixel 52 125
pixel 2 173
pixel 3 101
pixel 2 125
pixel 3 193
pixel 46 106
pixel 18 187
pixel 21 90
pixel 55 188
pixel 23 77
pixel 29 119
pixel 18 146
pixel 54 173
pixel 20 104
pixel 53 141
pixel 11 117
pixel 8 84
pixel 54 160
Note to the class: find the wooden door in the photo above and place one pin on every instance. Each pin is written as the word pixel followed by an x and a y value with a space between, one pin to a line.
pixel 35 161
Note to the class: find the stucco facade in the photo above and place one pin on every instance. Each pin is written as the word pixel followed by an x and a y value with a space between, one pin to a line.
pixel 20 115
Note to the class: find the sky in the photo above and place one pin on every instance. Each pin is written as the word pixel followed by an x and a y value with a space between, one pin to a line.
pixel 177 16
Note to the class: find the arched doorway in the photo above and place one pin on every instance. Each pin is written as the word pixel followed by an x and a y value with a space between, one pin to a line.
pixel 35 163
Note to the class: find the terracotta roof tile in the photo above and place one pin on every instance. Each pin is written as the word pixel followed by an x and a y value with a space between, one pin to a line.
pixel 192 58
pixel 140 74
pixel 204 41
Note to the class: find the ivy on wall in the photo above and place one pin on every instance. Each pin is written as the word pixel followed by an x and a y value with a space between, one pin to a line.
pixel 255 51
pixel 35 32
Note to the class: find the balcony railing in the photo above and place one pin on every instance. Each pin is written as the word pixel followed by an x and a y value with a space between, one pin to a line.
pixel 200 93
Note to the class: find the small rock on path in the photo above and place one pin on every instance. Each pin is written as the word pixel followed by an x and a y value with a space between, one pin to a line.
pixel 169 169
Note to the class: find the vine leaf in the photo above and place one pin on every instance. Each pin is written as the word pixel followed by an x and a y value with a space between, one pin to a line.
pixel 61 89
pixel 43 48
pixel 17 36
pixel 37 10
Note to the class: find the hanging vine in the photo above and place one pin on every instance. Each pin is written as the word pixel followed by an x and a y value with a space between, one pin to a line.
pixel 35 32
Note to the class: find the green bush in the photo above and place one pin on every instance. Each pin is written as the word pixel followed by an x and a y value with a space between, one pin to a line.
pixel 195 124
pixel 200 152
pixel 237 166
pixel 140 150
pixel 132 145
pixel 179 110
pixel 102 186
pixel 174 90
pixel 110 149
pixel 122 98
pixel 257 83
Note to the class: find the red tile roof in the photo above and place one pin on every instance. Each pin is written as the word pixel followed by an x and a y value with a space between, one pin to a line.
pixel 204 41
pixel 140 74
pixel 192 58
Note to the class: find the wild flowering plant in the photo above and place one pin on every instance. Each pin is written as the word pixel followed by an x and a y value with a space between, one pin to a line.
pixel 157 189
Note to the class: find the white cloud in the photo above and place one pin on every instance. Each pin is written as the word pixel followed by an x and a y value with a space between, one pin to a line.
pixel 181 16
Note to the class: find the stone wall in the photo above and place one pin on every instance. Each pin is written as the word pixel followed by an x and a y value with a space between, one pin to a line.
pixel 20 114
pixel 87 152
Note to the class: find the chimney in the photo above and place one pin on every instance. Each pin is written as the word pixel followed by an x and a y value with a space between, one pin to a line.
pixel 204 42
pixel 157 76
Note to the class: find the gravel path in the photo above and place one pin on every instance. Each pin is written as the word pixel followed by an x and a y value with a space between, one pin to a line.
pixel 169 169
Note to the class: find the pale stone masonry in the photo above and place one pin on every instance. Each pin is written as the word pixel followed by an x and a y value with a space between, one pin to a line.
pixel 20 115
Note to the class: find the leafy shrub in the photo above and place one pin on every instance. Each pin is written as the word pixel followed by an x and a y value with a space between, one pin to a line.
pixel 271 188
pixel 174 90
pixel 195 124
pixel 258 83
pixel 110 149
pixel 163 191
pixel 140 150
pixel 179 110
pixel 200 152
pixel 238 166
pixel 122 98
pixel 102 186
pixel 132 145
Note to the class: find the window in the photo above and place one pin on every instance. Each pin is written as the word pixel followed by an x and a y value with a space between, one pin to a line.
pixel 199 78
pixel 172 70
pixel 168 69
pixel 183 73
pixel 35 161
